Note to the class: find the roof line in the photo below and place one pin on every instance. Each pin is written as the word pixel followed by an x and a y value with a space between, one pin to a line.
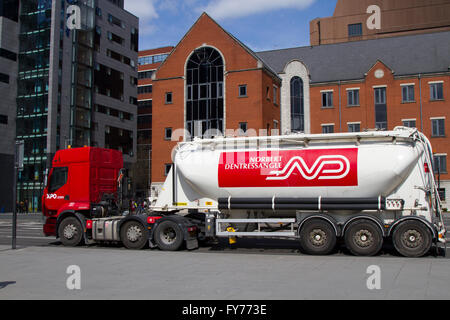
pixel 359 41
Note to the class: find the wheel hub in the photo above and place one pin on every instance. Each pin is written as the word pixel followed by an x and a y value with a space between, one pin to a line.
pixel 70 231
pixel 363 238
pixel 412 239
pixel 134 233
pixel 169 236
pixel 318 237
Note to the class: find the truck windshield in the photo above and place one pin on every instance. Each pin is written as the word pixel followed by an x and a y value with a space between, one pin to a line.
pixel 58 179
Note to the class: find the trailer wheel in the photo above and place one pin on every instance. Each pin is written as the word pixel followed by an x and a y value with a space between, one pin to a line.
pixel 168 236
pixel 317 237
pixel 363 238
pixel 70 232
pixel 412 239
pixel 134 236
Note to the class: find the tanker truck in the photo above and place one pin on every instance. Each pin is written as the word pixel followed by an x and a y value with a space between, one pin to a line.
pixel 361 189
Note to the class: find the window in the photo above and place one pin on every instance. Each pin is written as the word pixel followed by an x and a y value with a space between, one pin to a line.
pixel 353 97
pixel 243 127
pixel 243 90
pixel 145 89
pixel 114 37
pixel 58 179
pixel 145 104
pixel 205 103
pixel 134 100
pixel 355 30
pixel 167 168
pixel 436 91
pixel 380 95
pixel 354 127
pixel 327 99
pixel 408 93
pixel 438 127
pixel 169 98
pixel 152 59
pixel 145 75
pixel 409 123
pixel 145 120
pixel 440 163
pixel 115 21
pixel 442 194
pixel 380 108
pixel 3 119
pixel 297 105
pixel 4 78
pixel 275 95
pixel 8 54
pixel 328 128
pixel 168 133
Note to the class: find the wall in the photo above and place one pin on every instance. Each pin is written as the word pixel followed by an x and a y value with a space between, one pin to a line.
pixel 398 17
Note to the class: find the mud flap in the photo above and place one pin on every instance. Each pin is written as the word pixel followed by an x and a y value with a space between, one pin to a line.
pixel 192 244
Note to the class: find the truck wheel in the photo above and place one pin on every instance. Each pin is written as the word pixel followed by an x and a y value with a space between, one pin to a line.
pixel 134 236
pixel 363 238
pixel 70 232
pixel 412 239
pixel 169 236
pixel 317 237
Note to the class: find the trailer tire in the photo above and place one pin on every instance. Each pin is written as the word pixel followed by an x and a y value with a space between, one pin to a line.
pixel 412 238
pixel 317 237
pixel 363 238
pixel 70 232
pixel 168 236
pixel 134 235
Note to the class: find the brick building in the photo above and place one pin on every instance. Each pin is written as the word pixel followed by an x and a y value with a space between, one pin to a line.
pixel 210 84
pixel 149 61
pixel 383 83
pixel 349 86
pixel 396 18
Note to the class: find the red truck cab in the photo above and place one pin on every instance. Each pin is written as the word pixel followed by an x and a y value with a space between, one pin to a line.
pixel 78 178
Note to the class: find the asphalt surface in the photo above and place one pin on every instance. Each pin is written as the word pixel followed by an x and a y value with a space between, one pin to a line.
pixel 254 269
pixel 29 233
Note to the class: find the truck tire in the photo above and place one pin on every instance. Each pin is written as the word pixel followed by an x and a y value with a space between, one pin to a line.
pixel 134 235
pixel 363 238
pixel 412 239
pixel 70 232
pixel 169 236
pixel 317 237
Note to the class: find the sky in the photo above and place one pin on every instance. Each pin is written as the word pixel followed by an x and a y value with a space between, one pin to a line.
pixel 259 24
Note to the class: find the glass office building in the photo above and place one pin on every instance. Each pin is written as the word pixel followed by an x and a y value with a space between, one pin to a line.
pixel 64 76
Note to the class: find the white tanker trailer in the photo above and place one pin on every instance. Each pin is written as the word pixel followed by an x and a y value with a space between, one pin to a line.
pixel 362 187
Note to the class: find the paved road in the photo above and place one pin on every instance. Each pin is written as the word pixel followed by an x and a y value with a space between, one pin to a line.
pixel 261 269
pixel 29 230
pixel 41 273
pixel 29 233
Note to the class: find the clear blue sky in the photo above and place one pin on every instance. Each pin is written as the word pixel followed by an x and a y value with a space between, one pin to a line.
pixel 260 24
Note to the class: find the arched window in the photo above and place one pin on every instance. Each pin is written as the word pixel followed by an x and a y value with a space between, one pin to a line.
pixel 204 105
pixel 297 105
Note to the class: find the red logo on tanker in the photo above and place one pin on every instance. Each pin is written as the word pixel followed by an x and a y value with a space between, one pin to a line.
pixel 289 168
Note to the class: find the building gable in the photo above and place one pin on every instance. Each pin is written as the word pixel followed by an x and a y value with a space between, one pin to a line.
pixel 206 32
